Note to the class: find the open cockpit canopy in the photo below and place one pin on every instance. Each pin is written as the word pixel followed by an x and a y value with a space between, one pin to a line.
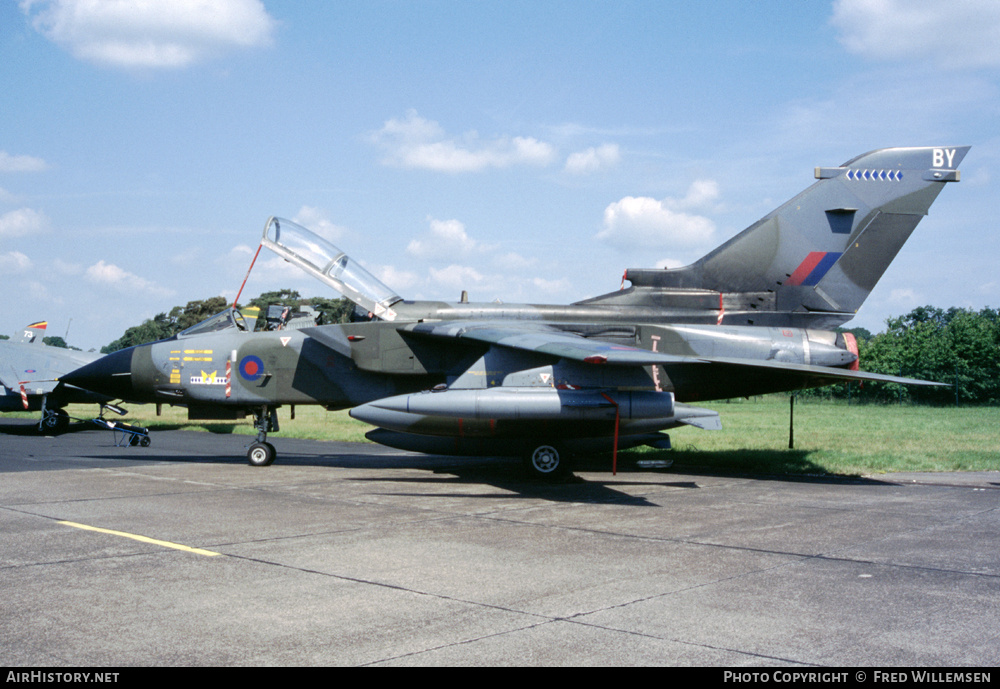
pixel 333 267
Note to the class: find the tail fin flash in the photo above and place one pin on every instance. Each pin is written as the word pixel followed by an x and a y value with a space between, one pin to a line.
pixel 34 333
pixel 814 260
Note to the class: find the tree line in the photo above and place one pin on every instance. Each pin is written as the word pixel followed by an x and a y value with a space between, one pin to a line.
pixel 956 346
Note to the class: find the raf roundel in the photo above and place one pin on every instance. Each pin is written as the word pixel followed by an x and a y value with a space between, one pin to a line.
pixel 251 367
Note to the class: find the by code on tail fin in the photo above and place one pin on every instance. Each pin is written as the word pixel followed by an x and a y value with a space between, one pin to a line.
pixel 813 261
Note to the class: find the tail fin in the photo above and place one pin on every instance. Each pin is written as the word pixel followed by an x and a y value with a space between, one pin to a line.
pixel 34 333
pixel 814 260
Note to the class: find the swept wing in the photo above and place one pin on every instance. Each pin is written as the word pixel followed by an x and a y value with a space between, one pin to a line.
pixel 544 339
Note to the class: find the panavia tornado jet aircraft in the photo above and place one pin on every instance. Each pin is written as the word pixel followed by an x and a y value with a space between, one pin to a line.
pixel 29 372
pixel 549 382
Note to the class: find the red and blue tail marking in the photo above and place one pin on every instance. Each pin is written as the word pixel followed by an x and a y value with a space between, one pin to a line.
pixel 814 268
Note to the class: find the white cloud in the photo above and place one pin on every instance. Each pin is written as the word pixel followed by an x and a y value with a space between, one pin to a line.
pixel 456 276
pixel 22 163
pixel 102 273
pixel 549 287
pixel 274 269
pixel 22 222
pixel 904 298
pixel 13 263
pixel 414 142
pixel 512 261
pixel 448 283
pixel 988 288
pixel 315 220
pixel 269 271
pixel 952 34
pixel 643 221
pixel 150 33
pixel 241 252
pixel 446 239
pixel 646 222
pixel 885 104
pixel 39 292
pixel 593 159
pixel 65 267
pixel 700 194
pixel 668 263
pixel 398 280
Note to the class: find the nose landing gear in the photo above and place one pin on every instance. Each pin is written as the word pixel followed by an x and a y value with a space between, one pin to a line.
pixel 262 453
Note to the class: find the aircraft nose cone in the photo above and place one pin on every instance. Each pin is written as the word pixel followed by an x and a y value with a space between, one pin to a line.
pixel 110 375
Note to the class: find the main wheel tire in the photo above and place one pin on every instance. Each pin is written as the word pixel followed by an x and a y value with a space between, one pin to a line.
pixel 261 454
pixel 546 462
pixel 56 421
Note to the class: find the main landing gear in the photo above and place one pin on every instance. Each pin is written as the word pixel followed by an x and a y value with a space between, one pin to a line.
pixel 262 453
pixel 548 462
pixel 54 420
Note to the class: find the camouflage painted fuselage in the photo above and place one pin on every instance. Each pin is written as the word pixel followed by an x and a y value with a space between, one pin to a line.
pixel 340 366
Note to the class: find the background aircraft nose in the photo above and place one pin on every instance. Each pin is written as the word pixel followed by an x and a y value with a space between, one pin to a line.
pixel 110 375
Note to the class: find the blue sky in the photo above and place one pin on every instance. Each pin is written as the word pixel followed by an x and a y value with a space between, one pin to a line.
pixel 523 151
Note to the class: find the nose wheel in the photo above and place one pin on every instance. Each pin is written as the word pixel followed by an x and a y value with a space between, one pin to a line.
pixel 261 452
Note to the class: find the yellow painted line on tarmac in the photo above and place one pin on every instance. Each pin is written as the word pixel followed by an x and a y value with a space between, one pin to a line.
pixel 143 539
